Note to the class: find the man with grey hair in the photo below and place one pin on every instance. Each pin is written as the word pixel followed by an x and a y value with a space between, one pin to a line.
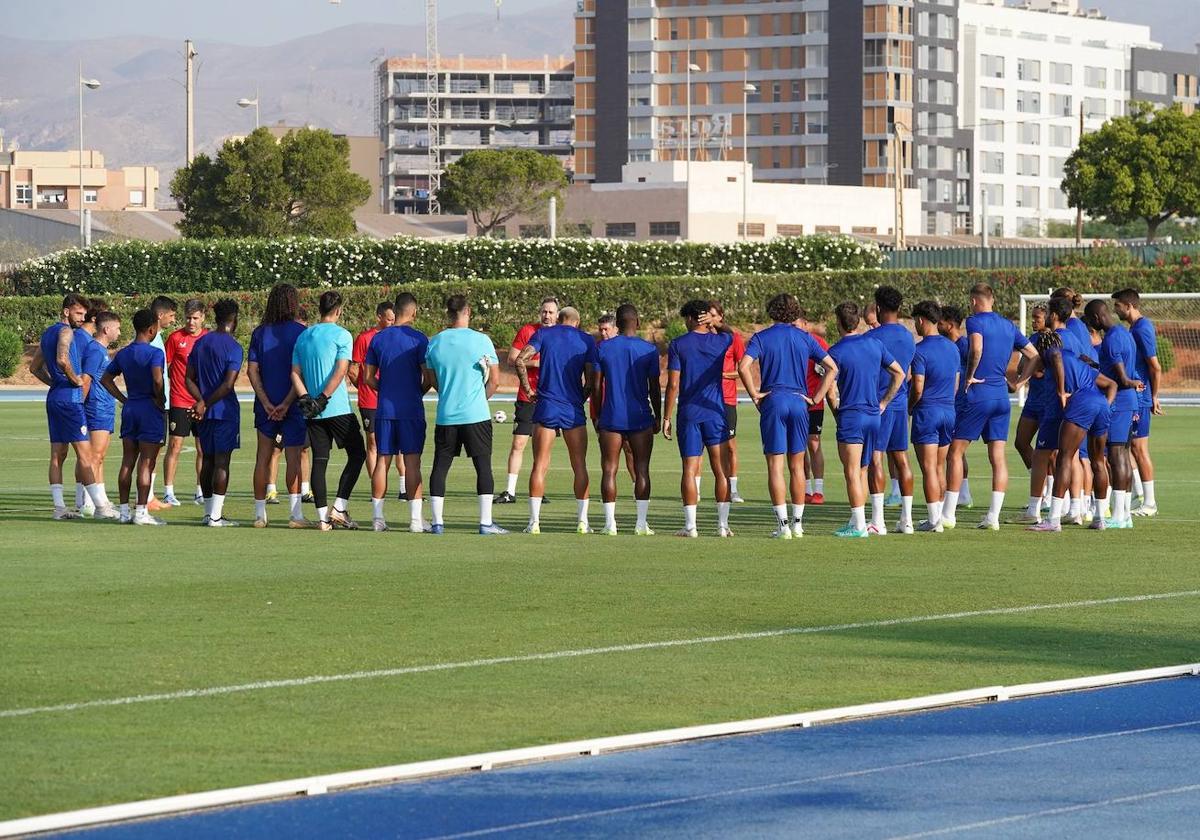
pixel 566 379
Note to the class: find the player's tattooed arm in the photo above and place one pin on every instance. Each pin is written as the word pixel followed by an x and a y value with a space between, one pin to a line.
pixel 370 377
pixel 63 356
pixel 37 366
pixel 522 364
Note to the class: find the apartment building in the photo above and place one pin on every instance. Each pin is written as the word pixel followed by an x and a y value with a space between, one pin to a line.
pixel 481 103
pixel 31 180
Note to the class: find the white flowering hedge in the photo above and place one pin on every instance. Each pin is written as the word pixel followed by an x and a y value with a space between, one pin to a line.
pixel 252 264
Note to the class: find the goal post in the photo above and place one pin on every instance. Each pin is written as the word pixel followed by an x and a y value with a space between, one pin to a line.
pixel 1176 318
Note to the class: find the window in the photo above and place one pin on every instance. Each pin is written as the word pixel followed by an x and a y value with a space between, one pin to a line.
pixel 1029 102
pixel 752 229
pixel 797 95
pixel 816 22
pixel 1060 74
pixel 776 92
pixel 1028 227
pixel 639 62
pixel 533 231
pixel 993 98
pixel 789 230
pixel 991 131
pixel 1152 83
pixel 992 66
pixel 639 95
pixel 716 27
pixel 992 162
pixel 816 123
pixel 52 195
pixel 1061 136
pixel 816 90
pixel 1058 167
pixel 1095 77
pixel 1095 107
pixel 797 124
pixel 715 93
pixel 995 194
pixel 716 61
pixel 621 230
pixel 90 197
pixel 1029 70
pixel 639 29
pixel 817 56
pixel 24 194
pixel 664 228
pixel 816 155
pixel 137 198
pixel 1028 197
pixel 1029 165
pixel 1062 104
pixel 754 25
pixel 575 231
pixel 639 128
pixel 1058 200
pixel 1029 133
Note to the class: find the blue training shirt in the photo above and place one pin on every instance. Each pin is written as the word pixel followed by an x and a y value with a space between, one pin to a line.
pixel 700 359
pixel 61 389
pixel 1001 339
pixel 859 358
pixel 900 343
pixel 213 355
pixel 398 356
pixel 1083 337
pixel 317 352
pixel 95 362
pixel 135 363
pixel 1039 389
pixel 1118 347
pixel 628 363
pixel 1078 375
pixel 938 360
pixel 271 347
pixel 1146 341
pixel 563 351
pixel 783 352
pixel 457 357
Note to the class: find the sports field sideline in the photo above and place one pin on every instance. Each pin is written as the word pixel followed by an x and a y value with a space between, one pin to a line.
pixel 439 647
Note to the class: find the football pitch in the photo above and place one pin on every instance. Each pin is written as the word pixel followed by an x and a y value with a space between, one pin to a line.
pixel 144 662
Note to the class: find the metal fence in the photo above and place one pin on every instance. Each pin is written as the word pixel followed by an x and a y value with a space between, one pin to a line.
pixel 1019 257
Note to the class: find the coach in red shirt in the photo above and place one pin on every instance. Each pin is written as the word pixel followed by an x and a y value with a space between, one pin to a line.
pixel 368 399
pixel 178 346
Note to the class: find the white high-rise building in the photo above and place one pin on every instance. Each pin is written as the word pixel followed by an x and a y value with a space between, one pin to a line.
pixel 1024 75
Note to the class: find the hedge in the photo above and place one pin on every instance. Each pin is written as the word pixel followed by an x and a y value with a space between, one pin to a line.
pixel 499 305
pixel 11 350
pixel 252 264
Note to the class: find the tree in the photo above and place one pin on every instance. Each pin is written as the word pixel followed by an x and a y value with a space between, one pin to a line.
pixel 301 184
pixel 1139 166
pixel 493 185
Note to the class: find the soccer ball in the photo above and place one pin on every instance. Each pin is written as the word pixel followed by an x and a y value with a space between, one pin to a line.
pixel 500 417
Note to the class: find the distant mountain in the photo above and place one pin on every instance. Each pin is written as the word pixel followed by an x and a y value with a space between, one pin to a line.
pixel 137 116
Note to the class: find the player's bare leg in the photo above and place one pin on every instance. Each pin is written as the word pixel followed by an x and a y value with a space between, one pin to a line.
pixel 1097 454
pixel 577 442
pixel 717 459
pixel 856 489
pixel 731 468
pixel 543 444
pixel 612 445
pixel 1070 437
pixel 378 468
pixel 814 467
pixel 414 490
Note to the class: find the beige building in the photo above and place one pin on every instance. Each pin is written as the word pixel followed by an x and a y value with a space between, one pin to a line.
pixel 653 201
pixel 50 180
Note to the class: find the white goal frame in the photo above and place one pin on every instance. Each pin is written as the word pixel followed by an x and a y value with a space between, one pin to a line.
pixel 1189 400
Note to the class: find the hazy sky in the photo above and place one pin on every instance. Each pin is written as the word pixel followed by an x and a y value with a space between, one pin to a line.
pixel 232 21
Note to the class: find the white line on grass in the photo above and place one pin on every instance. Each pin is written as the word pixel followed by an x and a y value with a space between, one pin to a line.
pixel 317 679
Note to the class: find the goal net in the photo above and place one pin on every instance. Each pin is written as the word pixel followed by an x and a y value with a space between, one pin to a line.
pixel 1176 318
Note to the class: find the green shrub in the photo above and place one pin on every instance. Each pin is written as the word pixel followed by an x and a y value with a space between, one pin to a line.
pixel 674 327
pixel 1166 354
pixel 12 349
pixel 1100 256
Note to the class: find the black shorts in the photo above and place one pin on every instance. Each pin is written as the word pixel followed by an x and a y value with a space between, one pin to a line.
pixel 180 423
pixel 324 434
pixel 476 438
pixel 731 414
pixel 368 419
pixel 523 418
pixel 816 421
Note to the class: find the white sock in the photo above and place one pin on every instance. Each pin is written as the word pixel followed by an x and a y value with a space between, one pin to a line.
pixel 376 508
pixel 643 507
pixel 723 514
pixel 125 511
pixel 894 489
pixel 1089 503
pixel 305 488
pixel 140 511
pixel 996 506
pixel 1118 505
pixel 798 514
pixel 485 509
pixel 610 515
pixel 1048 488
pixel 296 505
pixel 323 514
pixel 56 493
pixel 415 509
pixel 689 517
pixel 218 506
pixel 403 489
pixel 1076 506
pixel 858 518
pixel 535 510
pixel 436 505
pixel 964 492
pixel 877 509
pixel 208 507
pixel 780 514
pixel 80 494
pixel 260 509
pixel 581 509
pixel 1035 504
pixel 1056 509
pixel 340 505
pixel 732 486
pixel 271 488
pixel 98 495
pixel 819 485
pixel 950 506
pixel 512 484
pixel 1106 505
pixel 933 512
pixel 1148 494
pixel 169 489
pixel 808 486
pixel 906 509
pixel 1138 488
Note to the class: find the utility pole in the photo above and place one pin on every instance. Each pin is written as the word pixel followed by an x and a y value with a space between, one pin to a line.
pixel 431 105
pixel 898 177
pixel 189 76
pixel 1079 210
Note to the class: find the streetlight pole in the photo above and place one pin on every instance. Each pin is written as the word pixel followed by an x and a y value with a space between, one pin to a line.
pixel 90 84
pixel 687 168
pixel 898 177
pixel 246 103
pixel 747 89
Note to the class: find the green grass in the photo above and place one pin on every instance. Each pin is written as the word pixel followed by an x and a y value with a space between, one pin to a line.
pixel 93 611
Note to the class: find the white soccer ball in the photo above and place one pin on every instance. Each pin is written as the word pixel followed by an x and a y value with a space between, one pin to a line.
pixel 500 416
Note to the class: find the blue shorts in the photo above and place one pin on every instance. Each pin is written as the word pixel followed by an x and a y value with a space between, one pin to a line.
pixel 987 418
pixel 1031 411
pixel 553 414
pixel 67 422
pixel 219 436
pixel 783 423
pixel 1142 427
pixel 1089 411
pixel 1120 428
pixel 290 431
pixel 141 421
pixel 101 421
pixel 694 437
pixel 893 430
pixel 399 437
pixel 855 425
pixel 933 424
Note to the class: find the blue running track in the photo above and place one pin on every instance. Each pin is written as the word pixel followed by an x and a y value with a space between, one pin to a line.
pixel 1116 762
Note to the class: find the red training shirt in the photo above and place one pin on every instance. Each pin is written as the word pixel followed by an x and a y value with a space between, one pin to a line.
pixel 522 338
pixel 732 356
pixel 178 347
pixel 814 379
pixel 367 398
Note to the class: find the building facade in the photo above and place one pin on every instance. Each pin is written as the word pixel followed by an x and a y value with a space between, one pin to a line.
pixel 32 180
pixel 481 103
